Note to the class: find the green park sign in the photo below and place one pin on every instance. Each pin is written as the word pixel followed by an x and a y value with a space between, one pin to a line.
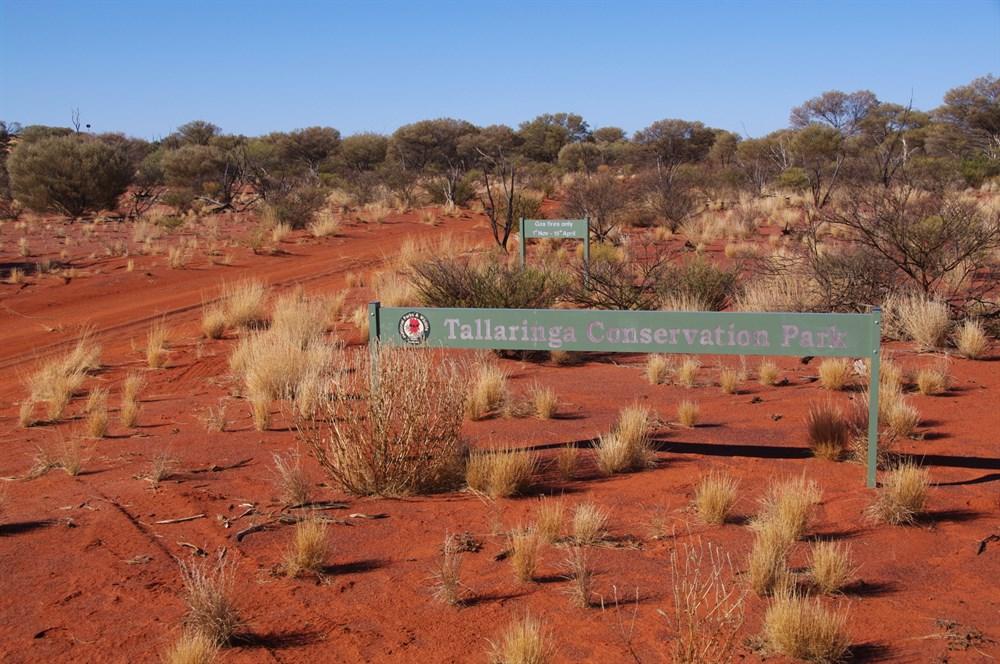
pixel 710 333
pixel 556 229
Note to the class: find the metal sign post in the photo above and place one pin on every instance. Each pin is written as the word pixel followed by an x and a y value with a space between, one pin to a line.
pixel 681 332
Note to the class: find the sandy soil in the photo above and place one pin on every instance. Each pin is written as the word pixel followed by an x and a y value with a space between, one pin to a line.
pixel 89 576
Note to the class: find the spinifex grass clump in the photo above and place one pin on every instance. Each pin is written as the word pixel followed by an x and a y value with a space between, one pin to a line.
pixel 488 392
pixel 501 473
pixel 394 431
pixel 309 548
pixel 589 524
pixel 835 373
pixel 789 505
pixel 829 431
pixel 903 496
pixel 803 628
pixel 208 594
pixel 831 568
pixel 55 382
pixel 628 446
pixel 714 498
pixel 524 641
pixel 446 578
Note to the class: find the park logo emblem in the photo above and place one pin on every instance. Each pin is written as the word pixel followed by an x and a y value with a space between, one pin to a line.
pixel 414 328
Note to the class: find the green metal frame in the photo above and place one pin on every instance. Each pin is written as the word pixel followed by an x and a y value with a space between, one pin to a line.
pixel 711 333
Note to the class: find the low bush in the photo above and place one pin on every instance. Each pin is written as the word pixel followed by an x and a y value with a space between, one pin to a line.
pixel 394 431
pixel 70 174
pixel 454 283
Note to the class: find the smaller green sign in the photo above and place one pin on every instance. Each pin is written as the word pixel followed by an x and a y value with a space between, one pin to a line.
pixel 555 228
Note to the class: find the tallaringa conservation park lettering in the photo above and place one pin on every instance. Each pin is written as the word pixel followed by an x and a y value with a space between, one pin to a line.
pixel 597 332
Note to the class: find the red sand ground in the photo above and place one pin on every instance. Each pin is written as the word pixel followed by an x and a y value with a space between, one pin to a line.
pixel 88 576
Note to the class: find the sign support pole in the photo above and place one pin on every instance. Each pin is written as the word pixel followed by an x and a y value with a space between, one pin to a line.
pixel 521 240
pixel 374 338
pixel 874 380
pixel 586 256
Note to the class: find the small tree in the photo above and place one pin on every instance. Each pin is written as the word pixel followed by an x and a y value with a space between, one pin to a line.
pixel 936 240
pixel 70 174
pixel 601 198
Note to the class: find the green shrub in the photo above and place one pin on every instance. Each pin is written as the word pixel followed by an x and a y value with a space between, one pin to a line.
pixel 451 283
pixel 296 206
pixel 701 281
pixel 70 174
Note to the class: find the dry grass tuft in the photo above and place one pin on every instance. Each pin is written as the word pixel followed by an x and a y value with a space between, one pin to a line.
pixel 361 320
pixel 549 518
pixel 580 576
pixel 56 381
pixel 96 423
pixel 566 461
pixel 128 413
pixel 829 431
pixel 447 577
pixel 299 317
pixel 243 303
pixel 70 458
pixel 544 401
pixel 835 373
pixel 525 641
pixel 191 648
pixel 789 506
pixel 309 548
pixel 589 524
pixel 687 413
pixel 501 473
pixel 290 479
pixel 524 545
pixel 160 468
pixel 156 345
pixel 767 565
pixel 488 393
pixel 831 569
pixel 714 498
pixel 903 496
pixel 933 381
pixel 687 373
pixel 213 321
pixel 208 595
pixel 325 225
pixel 803 628
pixel 629 445
pixel 214 419
pixel 971 340
pixel 925 321
pixel 730 379
pixel 658 369
pixel 898 414
pixel 26 414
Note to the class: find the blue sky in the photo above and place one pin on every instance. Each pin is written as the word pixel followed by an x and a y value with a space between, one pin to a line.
pixel 251 67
